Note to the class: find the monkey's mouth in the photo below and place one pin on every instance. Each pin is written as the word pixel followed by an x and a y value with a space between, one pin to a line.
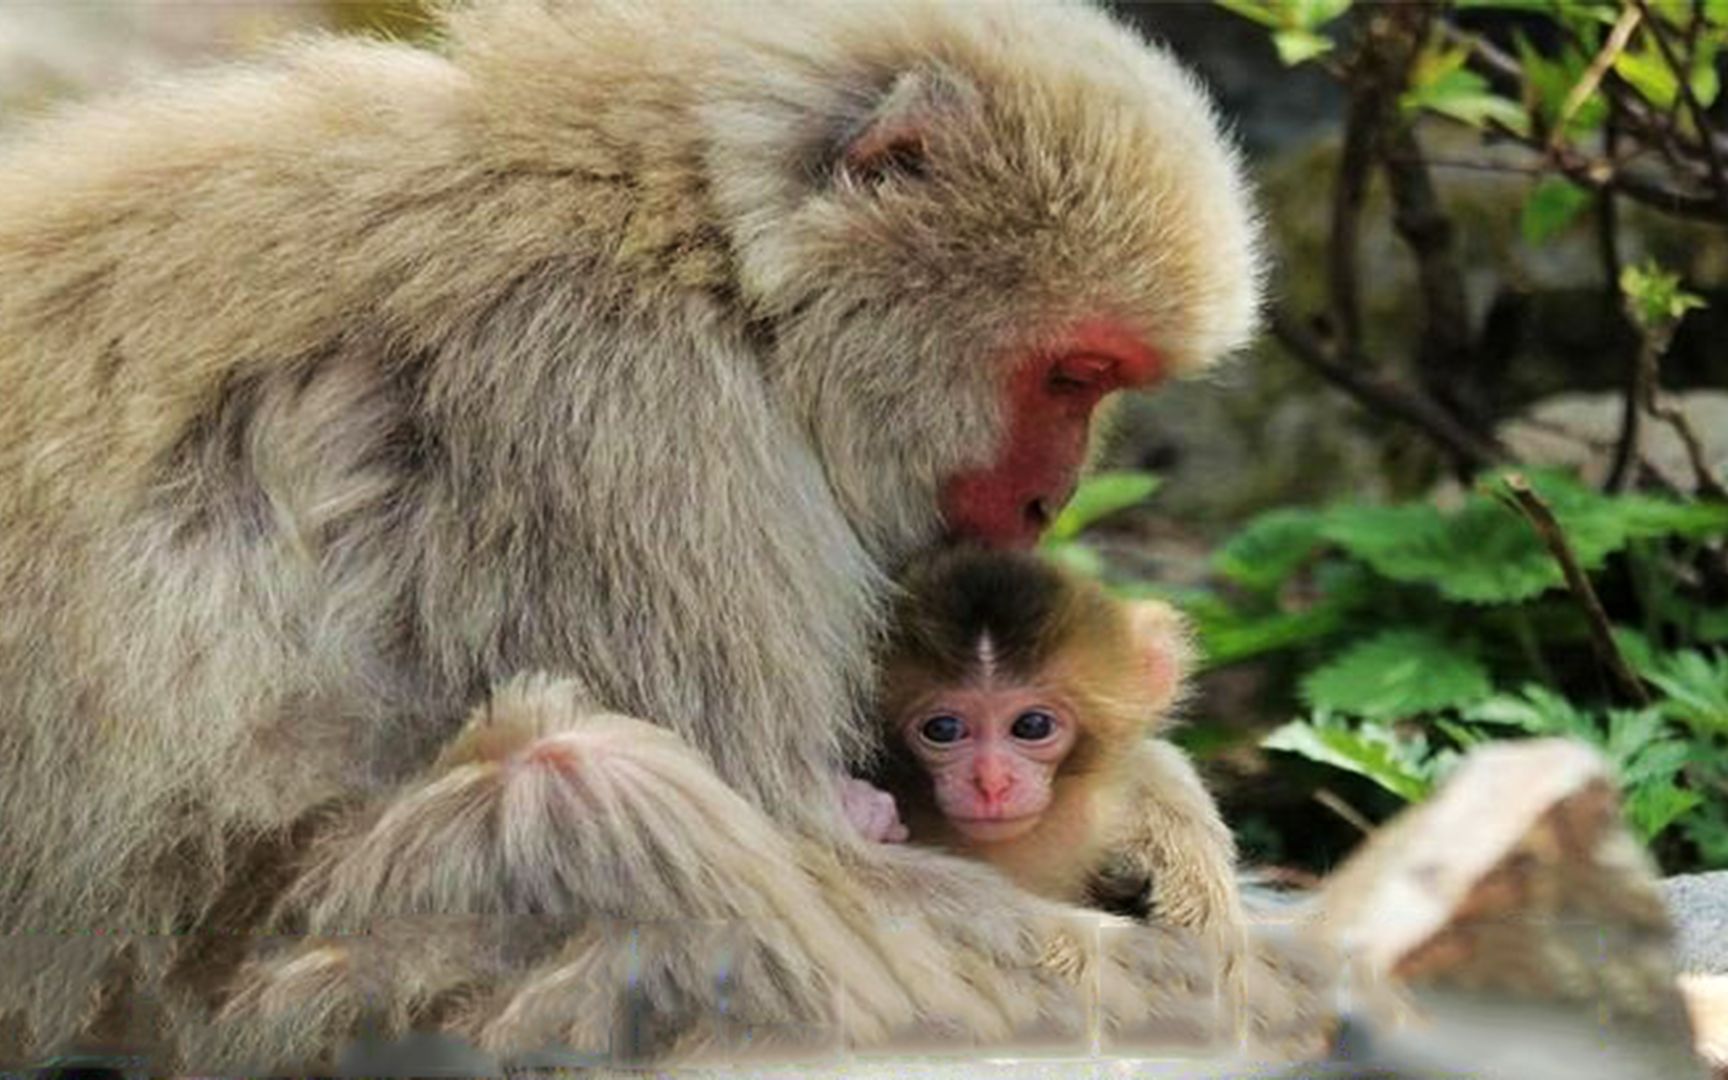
pixel 995 829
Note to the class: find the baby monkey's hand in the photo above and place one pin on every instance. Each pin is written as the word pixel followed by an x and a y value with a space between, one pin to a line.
pixel 871 811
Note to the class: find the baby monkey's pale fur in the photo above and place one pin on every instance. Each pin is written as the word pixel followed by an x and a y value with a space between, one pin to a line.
pixel 343 391
pixel 1124 819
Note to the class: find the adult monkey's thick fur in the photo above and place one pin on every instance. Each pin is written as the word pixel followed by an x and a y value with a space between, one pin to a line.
pixel 345 392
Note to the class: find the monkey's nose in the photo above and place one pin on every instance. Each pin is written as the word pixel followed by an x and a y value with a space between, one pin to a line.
pixel 993 784
pixel 1038 513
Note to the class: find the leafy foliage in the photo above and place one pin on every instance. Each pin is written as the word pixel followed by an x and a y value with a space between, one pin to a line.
pixel 1295 24
pixel 1655 296
pixel 1395 674
pixel 1418 633
pixel 1402 634
pixel 1552 206
pixel 1099 496
pixel 1403 766
pixel 1418 628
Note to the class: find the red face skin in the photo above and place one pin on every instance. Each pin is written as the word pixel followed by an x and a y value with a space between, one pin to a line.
pixel 992 754
pixel 1051 396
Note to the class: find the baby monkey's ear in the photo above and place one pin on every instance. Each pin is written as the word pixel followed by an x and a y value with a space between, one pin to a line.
pixel 1166 647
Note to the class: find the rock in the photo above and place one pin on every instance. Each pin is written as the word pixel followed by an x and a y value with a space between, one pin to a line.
pixel 1581 430
pixel 1699 906
pixel 1495 926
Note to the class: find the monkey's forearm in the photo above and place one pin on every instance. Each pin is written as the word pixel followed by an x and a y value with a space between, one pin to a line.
pixel 1173 835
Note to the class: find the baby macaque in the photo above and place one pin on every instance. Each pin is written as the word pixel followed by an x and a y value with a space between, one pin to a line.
pixel 1021 705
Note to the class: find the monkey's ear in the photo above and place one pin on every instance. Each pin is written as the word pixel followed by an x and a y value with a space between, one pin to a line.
pixel 894 140
pixel 1166 648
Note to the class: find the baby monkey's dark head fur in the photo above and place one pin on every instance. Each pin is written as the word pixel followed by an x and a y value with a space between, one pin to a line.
pixel 966 616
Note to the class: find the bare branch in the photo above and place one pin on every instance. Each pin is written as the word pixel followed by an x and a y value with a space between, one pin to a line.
pixel 1517 492
pixel 1445 348
pixel 1496 61
pixel 1601 175
pixel 1386 396
pixel 1623 469
pixel 1700 115
pixel 1599 66
pixel 1702 474
pixel 1343 246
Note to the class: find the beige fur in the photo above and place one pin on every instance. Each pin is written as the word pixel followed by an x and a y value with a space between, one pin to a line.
pixel 340 390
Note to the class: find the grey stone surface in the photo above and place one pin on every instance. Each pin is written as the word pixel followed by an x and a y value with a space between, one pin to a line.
pixel 1699 905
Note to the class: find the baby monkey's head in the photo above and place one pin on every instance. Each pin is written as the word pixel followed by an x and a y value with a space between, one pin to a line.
pixel 1006 677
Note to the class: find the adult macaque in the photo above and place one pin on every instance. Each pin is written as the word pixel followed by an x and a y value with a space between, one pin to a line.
pixel 392 441
pixel 1020 704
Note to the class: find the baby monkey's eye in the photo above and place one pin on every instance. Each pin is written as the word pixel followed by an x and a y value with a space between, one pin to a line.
pixel 1034 725
pixel 943 729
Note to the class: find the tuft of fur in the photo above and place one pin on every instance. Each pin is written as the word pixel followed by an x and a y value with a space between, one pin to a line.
pixel 346 387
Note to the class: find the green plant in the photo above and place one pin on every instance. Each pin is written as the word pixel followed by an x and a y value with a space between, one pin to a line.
pixel 1421 632
pixel 1404 634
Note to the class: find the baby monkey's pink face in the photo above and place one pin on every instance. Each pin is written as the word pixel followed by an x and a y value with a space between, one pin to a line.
pixel 992 752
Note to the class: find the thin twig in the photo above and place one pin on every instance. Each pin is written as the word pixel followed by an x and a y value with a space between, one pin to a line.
pixel 1444 352
pixel 1623 468
pixel 1517 492
pixel 1382 394
pixel 1592 77
pixel 1708 483
pixel 1700 115
pixel 1599 174
pixel 1496 60
pixel 1333 802
pixel 1653 342
pixel 1343 245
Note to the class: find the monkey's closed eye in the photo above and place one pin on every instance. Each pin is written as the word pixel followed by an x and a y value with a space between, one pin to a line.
pixel 1079 375
pixel 943 729
pixel 1033 725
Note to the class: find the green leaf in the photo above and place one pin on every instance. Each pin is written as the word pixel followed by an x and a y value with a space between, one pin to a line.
pixel 1272 547
pixel 1535 710
pixel 1648 516
pixel 1696 689
pixel 1397 674
pixel 1265 12
pixel 1296 46
pixel 1467 97
pixel 1097 497
pixel 1654 296
pixel 1549 82
pixel 1638 650
pixel 1313 13
pixel 1652 808
pixel 1488 553
pixel 1482 554
pixel 1649 74
pixel 1401 766
pixel 1229 642
pixel 1551 206
pixel 1712 626
pixel 1075 557
pixel 1534 7
pixel 1707 830
pixel 1706 82
pixel 1633 741
pixel 1466 737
